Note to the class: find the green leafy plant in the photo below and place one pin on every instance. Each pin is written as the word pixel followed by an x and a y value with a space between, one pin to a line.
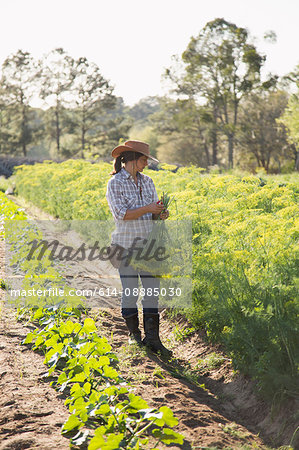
pixel 101 404
pixel 182 333
pixel 212 361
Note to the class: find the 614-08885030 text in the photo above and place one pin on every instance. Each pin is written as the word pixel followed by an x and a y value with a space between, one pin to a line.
pixel 112 292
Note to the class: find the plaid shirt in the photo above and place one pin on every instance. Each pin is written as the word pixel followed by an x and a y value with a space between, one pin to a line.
pixel 122 194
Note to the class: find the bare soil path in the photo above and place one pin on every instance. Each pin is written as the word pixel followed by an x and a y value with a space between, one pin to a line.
pixel 31 412
pixel 216 408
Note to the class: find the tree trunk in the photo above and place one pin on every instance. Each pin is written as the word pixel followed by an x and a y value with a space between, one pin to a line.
pixel 57 130
pixel 268 161
pixel 263 162
pixel 207 153
pixel 82 142
pixel 1 127
pixel 214 138
pixel 279 165
pixel 83 131
pixel 214 148
pixel 297 160
pixel 231 136
pixel 23 130
pixel 230 151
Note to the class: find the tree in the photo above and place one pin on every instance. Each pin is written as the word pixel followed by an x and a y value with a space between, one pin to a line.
pixel 292 78
pixel 57 78
pixel 290 119
pixel 91 94
pixel 111 126
pixel 19 74
pixel 221 67
pixel 144 108
pixel 260 136
pixel 4 122
pixel 184 129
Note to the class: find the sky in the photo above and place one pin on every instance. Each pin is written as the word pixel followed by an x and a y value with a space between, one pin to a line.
pixel 132 41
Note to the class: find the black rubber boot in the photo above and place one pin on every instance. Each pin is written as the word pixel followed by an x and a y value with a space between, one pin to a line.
pixel 151 330
pixel 132 323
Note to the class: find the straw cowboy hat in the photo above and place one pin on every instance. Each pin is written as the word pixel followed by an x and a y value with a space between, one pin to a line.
pixel 133 146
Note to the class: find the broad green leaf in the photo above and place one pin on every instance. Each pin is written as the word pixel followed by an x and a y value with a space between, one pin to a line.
pixel 168 436
pixel 94 396
pixel 28 339
pixel 104 361
pixel 104 409
pixel 75 387
pixel 87 387
pixel 94 363
pixel 82 360
pixel 168 416
pixel 89 326
pixel 77 369
pixel 137 402
pixel 83 415
pixel 123 390
pixel 77 327
pixel 87 348
pixel 62 378
pixel 38 314
pixel 80 377
pixel 111 391
pixel 79 403
pixel 79 393
pixel 52 341
pixel 72 423
pixel 49 355
pixel 67 327
pixel 112 443
pixel 39 341
pixel 109 372
pixel 97 442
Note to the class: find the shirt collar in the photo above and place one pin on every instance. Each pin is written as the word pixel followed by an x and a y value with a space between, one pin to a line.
pixel 127 175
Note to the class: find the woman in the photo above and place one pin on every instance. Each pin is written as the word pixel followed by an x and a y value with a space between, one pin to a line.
pixel 132 197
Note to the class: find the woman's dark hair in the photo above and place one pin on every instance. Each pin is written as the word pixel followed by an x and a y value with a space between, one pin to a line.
pixel 123 158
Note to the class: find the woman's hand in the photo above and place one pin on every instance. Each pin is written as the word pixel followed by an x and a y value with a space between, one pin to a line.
pixel 154 208
pixel 134 214
pixel 164 215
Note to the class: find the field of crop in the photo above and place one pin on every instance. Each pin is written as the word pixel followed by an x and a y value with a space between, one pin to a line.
pixel 245 260
pixel 244 279
pixel 8 210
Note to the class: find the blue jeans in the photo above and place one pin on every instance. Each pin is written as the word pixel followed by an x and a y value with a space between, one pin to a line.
pixel 130 291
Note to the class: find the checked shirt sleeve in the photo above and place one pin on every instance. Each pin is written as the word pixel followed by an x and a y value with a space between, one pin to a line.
pixel 115 199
